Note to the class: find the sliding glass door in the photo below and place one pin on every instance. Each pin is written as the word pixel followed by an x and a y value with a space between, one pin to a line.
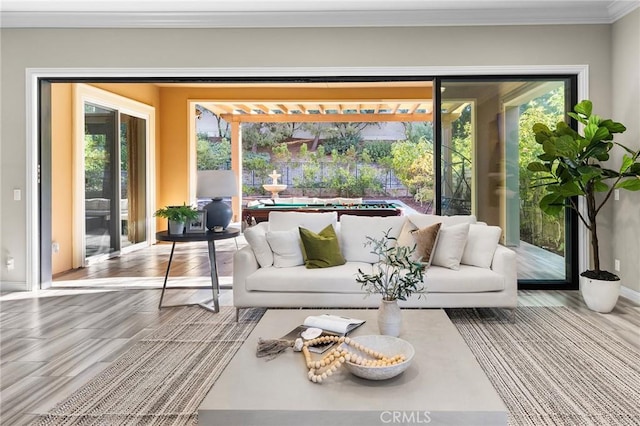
pixel 486 144
pixel 115 180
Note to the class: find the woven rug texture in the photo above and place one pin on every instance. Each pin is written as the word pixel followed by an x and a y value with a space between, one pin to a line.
pixel 162 379
pixel 551 366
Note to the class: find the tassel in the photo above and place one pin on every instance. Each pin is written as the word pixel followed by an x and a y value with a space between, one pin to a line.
pixel 272 348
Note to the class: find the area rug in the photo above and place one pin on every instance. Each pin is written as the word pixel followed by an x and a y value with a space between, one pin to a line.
pixel 551 366
pixel 162 379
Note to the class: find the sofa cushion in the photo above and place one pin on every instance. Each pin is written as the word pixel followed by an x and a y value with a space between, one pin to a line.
pixel 423 220
pixel 450 247
pixel 320 250
pixel 467 279
pixel 419 220
pixel 354 231
pixel 425 240
pixel 256 236
pixel 482 242
pixel 316 222
pixel 286 247
pixel 339 279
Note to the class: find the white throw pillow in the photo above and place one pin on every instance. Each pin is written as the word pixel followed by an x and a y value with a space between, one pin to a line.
pixel 450 246
pixel 424 220
pixel 482 243
pixel 286 247
pixel 256 236
pixel 354 231
pixel 316 222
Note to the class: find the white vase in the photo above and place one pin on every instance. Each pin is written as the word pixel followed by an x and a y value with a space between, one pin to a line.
pixel 176 228
pixel 390 318
pixel 600 296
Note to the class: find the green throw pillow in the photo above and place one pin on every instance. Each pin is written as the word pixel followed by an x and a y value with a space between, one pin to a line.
pixel 321 250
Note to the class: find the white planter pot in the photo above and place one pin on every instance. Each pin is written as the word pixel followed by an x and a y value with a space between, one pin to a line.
pixel 390 318
pixel 600 296
pixel 176 228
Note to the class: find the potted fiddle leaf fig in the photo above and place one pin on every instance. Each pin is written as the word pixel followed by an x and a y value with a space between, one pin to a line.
pixel 177 217
pixel 571 166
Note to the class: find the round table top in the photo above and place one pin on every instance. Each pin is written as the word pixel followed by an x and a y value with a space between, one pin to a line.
pixel 201 236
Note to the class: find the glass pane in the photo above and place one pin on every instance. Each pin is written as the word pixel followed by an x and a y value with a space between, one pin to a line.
pixel 99 157
pixel 487 143
pixel 132 180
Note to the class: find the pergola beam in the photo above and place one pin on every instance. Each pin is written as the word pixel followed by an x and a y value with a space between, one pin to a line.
pixel 324 118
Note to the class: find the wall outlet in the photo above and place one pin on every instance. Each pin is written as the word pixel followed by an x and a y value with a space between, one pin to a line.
pixel 55 247
pixel 616 265
pixel 10 263
pixel 616 194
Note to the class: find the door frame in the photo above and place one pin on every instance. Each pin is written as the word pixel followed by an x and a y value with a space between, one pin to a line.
pixel 39 246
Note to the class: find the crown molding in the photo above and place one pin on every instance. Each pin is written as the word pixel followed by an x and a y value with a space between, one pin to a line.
pixel 487 13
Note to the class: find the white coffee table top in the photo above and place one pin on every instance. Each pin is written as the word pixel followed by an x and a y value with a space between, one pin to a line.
pixel 443 385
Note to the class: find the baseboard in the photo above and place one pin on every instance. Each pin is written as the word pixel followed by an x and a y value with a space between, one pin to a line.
pixel 13 286
pixel 632 295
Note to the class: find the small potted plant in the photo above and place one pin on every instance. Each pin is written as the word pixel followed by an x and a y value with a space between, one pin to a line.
pixel 177 217
pixel 395 277
pixel 570 166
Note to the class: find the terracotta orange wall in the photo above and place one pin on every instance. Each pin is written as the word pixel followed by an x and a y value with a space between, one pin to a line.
pixel 173 161
pixel 61 175
pixel 62 154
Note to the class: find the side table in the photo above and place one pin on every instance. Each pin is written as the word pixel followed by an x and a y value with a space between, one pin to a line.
pixel 210 237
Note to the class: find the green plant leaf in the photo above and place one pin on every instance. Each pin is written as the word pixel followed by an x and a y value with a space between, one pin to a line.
pixel 590 131
pixel 600 186
pixel 626 163
pixel 577 117
pixel 549 147
pixel 585 108
pixel 566 146
pixel 538 167
pixel 613 126
pixel 601 133
pixel 632 184
pixel 570 189
pixel 552 204
pixel 546 157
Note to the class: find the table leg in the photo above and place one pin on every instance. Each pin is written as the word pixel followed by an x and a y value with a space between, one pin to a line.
pixel 215 284
pixel 166 275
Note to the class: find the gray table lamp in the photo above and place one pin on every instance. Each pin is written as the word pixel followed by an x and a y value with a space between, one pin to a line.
pixel 217 184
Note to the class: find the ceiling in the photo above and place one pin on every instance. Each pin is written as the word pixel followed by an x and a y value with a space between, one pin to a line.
pixel 305 13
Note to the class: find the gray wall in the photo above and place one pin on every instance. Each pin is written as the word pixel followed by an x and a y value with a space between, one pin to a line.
pixel 326 47
pixel 625 242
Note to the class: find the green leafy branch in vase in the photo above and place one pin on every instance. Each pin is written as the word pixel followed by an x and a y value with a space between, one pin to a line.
pixel 396 276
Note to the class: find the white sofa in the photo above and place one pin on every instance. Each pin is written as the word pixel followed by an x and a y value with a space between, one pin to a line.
pixel 257 282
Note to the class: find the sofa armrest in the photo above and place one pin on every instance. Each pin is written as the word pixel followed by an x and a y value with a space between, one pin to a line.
pixel 505 263
pixel 244 264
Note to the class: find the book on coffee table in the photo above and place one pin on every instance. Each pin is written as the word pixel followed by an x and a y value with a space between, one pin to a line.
pixel 331 325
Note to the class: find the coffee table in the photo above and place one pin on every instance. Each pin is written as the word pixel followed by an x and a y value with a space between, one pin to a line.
pixel 443 385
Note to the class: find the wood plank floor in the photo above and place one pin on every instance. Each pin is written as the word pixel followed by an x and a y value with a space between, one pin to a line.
pixel 53 341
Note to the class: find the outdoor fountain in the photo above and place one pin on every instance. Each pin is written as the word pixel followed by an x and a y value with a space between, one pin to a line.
pixel 274 187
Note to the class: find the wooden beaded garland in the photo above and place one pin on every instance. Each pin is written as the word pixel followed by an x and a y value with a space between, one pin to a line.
pixel 320 370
